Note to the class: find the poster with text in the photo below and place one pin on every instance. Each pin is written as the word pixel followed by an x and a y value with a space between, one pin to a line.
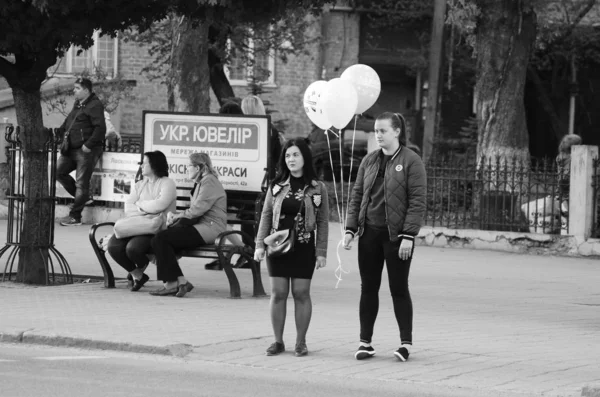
pixel 237 145
pixel 113 177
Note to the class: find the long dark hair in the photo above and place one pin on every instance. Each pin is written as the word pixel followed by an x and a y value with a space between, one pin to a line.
pixel 158 163
pixel 283 172
pixel 397 121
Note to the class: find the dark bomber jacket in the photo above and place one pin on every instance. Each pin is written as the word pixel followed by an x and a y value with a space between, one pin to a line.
pixel 405 187
pixel 89 127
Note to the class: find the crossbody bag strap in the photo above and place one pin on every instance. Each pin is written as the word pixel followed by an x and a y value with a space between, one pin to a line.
pixel 73 122
pixel 300 210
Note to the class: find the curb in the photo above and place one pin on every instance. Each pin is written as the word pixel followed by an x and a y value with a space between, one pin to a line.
pixel 591 391
pixel 178 350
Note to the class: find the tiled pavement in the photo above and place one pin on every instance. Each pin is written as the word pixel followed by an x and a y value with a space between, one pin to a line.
pixel 484 320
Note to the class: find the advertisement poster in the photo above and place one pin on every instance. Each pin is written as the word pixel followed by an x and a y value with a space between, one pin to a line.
pixel 113 177
pixel 237 145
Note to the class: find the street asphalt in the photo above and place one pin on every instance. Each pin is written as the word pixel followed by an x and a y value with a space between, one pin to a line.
pixel 485 321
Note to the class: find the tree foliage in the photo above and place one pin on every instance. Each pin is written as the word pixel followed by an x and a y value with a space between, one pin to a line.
pixel 245 32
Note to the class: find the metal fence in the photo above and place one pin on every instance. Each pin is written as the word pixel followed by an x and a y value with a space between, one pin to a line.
pixel 495 194
pixel 596 190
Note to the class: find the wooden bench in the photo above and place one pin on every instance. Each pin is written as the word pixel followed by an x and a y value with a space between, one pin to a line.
pixel 221 249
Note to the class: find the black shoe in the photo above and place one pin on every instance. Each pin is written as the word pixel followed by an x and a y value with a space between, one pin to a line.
pixel 275 349
pixel 301 349
pixel 214 265
pixel 402 354
pixel 364 352
pixel 137 284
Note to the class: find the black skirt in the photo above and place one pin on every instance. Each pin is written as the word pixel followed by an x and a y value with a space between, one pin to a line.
pixel 299 263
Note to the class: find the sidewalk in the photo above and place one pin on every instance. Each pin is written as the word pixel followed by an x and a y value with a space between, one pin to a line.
pixel 488 321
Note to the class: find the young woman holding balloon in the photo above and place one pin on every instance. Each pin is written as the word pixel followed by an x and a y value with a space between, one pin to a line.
pixel 386 211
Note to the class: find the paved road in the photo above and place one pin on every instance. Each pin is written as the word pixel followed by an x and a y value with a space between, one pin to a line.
pixel 61 372
pixel 484 321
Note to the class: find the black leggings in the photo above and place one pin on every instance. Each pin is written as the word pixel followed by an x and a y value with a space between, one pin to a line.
pixel 130 252
pixel 165 245
pixel 374 247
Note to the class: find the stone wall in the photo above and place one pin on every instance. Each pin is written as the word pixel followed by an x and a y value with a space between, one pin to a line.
pixel 523 243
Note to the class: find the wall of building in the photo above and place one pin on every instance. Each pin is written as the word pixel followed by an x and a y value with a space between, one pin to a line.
pixel 149 95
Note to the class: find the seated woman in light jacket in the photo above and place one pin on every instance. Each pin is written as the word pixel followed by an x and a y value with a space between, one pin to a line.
pixel 199 225
pixel 155 193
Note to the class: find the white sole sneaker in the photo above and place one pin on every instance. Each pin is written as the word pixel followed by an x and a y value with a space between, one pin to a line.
pixel 402 354
pixel 363 354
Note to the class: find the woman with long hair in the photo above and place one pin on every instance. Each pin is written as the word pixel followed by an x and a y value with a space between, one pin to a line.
pixel 295 193
pixel 198 225
pixel 386 210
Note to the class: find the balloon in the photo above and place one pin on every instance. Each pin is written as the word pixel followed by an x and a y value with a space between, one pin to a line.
pixel 366 83
pixel 339 102
pixel 313 104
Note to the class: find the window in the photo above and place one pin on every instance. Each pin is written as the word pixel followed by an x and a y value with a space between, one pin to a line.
pixel 241 70
pixel 102 54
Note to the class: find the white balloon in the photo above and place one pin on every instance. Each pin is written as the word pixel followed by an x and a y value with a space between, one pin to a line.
pixel 366 83
pixel 339 102
pixel 313 104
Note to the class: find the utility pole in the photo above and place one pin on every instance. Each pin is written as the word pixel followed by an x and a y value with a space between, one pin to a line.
pixel 436 54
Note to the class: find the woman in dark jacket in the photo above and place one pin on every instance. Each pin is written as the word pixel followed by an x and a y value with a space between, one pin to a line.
pixel 386 212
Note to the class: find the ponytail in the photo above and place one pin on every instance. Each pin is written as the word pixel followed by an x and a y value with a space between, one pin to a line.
pixel 397 121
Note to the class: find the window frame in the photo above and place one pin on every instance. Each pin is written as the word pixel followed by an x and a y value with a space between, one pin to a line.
pixel 270 82
pixel 69 57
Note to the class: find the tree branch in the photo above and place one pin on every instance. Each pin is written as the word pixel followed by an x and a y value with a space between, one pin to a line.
pixel 569 31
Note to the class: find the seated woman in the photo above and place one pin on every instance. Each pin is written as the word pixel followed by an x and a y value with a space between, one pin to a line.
pixel 156 193
pixel 199 225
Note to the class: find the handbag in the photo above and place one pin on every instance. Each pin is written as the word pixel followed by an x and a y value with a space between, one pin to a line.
pixel 282 241
pixel 138 225
pixel 65 145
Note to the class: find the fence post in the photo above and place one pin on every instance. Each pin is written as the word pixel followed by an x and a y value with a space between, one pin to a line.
pixel 581 192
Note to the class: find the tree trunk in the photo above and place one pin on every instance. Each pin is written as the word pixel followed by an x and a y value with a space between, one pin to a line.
pixel 190 82
pixel 218 79
pixel 36 222
pixel 505 36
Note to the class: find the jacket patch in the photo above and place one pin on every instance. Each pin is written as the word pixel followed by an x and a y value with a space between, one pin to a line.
pixel 276 189
pixel 316 198
pixel 399 167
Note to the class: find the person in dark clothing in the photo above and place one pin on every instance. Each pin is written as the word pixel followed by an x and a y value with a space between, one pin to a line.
pixel 386 211
pixel 230 108
pixel 85 128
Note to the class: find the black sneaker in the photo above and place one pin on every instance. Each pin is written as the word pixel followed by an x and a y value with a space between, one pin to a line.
pixel 275 349
pixel 70 221
pixel 301 349
pixel 402 354
pixel 364 352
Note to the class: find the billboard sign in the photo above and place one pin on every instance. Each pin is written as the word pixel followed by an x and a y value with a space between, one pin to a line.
pixel 237 145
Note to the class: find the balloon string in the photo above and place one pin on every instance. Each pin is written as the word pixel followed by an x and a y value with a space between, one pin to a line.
pixel 340 268
pixel 350 173
pixel 341 145
pixel 337 200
